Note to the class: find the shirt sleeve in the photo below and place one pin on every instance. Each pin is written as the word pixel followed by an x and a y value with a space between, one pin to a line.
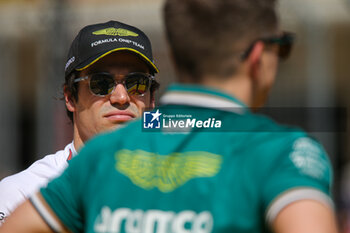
pixel 15 189
pixel 10 198
pixel 64 194
pixel 303 171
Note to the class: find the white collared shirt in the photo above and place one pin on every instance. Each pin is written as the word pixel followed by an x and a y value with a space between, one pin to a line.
pixel 16 188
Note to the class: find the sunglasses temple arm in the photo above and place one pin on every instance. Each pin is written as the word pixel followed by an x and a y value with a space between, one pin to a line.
pixel 81 79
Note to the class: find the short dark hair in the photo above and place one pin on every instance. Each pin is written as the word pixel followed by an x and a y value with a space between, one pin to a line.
pixel 207 36
pixel 72 89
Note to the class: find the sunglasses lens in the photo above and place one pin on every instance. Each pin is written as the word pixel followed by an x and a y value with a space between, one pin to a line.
pixel 137 84
pixel 101 84
pixel 286 45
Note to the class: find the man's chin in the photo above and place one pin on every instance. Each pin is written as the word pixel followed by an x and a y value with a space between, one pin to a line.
pixel 117 125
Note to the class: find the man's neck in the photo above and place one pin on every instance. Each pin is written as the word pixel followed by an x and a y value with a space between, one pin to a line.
pixel 238 86
pixel 78 142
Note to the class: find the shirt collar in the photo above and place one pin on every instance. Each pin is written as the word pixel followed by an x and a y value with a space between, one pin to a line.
pixel 72 148
pixel 201 96
pixel 70 151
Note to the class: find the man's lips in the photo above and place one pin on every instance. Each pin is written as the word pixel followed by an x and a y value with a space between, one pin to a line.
pixel 119 116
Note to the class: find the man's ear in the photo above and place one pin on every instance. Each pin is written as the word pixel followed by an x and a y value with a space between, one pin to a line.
pixel 69 99
pixel 254 59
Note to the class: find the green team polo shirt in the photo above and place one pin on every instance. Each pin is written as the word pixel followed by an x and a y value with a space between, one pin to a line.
pixel 235 179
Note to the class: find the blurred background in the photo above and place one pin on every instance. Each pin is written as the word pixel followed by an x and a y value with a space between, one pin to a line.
pixel 35 36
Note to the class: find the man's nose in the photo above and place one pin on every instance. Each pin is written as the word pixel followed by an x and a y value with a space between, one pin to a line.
pixel 120 95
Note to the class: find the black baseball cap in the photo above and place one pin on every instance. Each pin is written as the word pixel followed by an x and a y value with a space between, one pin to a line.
pixel 93 42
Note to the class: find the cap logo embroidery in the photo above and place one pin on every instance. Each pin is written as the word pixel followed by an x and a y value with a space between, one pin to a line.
pixel 115 32
pixel 70 61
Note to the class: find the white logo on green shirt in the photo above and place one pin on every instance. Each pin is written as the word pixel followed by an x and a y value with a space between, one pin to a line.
pixel 150 221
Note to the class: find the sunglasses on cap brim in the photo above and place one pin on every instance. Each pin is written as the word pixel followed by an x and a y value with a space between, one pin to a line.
pixel 103 84
pixel 284 41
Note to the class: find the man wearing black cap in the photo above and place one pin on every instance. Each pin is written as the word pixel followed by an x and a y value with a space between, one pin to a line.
pixel 109 80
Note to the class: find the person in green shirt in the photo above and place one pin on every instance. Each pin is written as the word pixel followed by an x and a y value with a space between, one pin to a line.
pixel 203 162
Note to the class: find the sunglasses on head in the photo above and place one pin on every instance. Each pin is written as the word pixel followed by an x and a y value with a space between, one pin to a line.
pixel 285 42
pixel 102 84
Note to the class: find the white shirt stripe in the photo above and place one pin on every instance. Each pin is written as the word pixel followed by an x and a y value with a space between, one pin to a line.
pixel 294 195
pixel 46 215
pixel 201 100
